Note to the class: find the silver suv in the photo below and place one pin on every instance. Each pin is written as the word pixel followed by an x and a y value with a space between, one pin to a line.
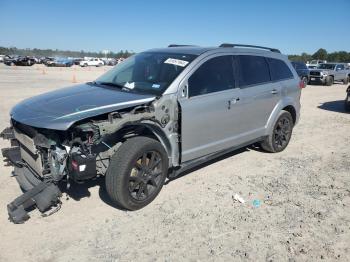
pixel 155 115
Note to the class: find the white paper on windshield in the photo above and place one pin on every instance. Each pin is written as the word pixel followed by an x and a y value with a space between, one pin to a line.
pixel 177 62
pixel 130 85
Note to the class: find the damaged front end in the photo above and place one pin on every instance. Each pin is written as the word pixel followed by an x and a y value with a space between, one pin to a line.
pixel 46 161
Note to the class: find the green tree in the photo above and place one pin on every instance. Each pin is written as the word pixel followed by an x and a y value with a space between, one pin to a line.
pixel 320 54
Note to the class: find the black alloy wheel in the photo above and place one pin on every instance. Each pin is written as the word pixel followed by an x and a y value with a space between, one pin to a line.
pixel 145 176
pixel 136 172
pixel 282 132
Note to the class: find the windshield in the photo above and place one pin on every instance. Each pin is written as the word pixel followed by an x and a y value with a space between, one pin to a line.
pixel 326 66
pixel 147 72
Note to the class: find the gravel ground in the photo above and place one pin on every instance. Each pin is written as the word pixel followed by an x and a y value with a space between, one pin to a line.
pixel 301 210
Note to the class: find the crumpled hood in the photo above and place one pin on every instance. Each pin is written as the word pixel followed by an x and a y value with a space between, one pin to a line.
pixel 61 108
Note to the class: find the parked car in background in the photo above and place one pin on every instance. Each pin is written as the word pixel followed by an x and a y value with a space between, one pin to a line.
pixel 61 62
pixel 302 70
pixel 111 62
pixel 327 73
pixel 315 63
pixel 2 57
pixel 48 60
pixel 19 61
pixel 92 62
pixel 347 100
pixel 77 61
pixel 156 115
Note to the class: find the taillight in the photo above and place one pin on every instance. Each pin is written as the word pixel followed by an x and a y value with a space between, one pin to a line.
pixel 75 165
pixel 301 84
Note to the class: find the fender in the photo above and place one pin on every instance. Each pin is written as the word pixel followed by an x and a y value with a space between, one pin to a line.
pixel 283 103
pixel 170 144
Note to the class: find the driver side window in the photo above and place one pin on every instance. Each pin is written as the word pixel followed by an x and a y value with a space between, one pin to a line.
pixel 214 75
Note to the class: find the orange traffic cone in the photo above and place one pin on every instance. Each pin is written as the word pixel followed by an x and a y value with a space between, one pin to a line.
pixel 74 79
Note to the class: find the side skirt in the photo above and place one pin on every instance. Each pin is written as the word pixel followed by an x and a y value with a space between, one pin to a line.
pixel 199 161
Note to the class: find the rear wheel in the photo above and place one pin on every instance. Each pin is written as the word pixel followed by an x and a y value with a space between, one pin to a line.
pixel 280 136
pixel 137 172
pixel 346 80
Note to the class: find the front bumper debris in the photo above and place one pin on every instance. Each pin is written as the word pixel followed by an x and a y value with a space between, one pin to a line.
pixel 40 193
pixel 44 195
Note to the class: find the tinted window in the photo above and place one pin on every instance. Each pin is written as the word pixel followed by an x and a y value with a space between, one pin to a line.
pixel 214 75
pixel 253 70
pixel 279 70
pixel 340 67
pixel 299 65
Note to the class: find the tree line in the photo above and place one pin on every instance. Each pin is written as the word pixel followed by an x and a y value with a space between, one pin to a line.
pixel 60 53
pixel 322 54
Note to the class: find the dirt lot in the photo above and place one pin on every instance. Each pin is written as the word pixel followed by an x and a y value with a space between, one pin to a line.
pixel 304 194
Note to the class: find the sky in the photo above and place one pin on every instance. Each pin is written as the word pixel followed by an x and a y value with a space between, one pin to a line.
pixel 293 26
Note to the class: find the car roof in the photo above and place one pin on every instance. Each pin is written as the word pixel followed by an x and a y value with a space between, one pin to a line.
pixel 197 50
pixel 188 50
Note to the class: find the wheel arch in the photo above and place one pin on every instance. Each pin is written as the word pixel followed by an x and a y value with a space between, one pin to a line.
pixel 292 111
pixel 288 104
pixel 149 130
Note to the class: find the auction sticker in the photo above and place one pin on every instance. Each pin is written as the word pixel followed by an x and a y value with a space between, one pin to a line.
pixel 177 62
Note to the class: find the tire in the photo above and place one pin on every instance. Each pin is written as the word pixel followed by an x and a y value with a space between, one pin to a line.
pixel 346 80
pixel 329 80
pixel 128 183
pixel 281 134
pixel 305 80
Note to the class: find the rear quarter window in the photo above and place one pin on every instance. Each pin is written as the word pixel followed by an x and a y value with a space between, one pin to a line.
pixel 279 69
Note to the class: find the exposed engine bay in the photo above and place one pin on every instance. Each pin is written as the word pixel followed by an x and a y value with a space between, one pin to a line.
pixel 46 161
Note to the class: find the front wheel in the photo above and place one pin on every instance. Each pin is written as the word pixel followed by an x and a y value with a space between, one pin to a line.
pixel 329 80
pixel 280 136
pixel 137 172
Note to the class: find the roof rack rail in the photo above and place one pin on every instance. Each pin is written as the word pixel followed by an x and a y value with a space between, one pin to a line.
pixel 175 45
pixel 250 46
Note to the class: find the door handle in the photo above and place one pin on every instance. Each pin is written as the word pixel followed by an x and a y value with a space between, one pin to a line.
pixel 274 91
pixel 232 102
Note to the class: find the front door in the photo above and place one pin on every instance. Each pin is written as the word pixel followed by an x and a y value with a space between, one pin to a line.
pixel 209 109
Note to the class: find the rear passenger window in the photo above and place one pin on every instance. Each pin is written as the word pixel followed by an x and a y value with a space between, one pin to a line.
pixel 279 70
pixel 213 76
pixel 252 70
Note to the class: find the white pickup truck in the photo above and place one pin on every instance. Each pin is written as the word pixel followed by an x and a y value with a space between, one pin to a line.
pixel 92 62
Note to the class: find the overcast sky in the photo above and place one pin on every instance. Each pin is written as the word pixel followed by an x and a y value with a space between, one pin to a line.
pixel 293 26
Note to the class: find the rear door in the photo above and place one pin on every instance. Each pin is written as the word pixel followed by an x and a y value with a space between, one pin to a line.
pixel 208 101
pixel 259 95
pixel 339 72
